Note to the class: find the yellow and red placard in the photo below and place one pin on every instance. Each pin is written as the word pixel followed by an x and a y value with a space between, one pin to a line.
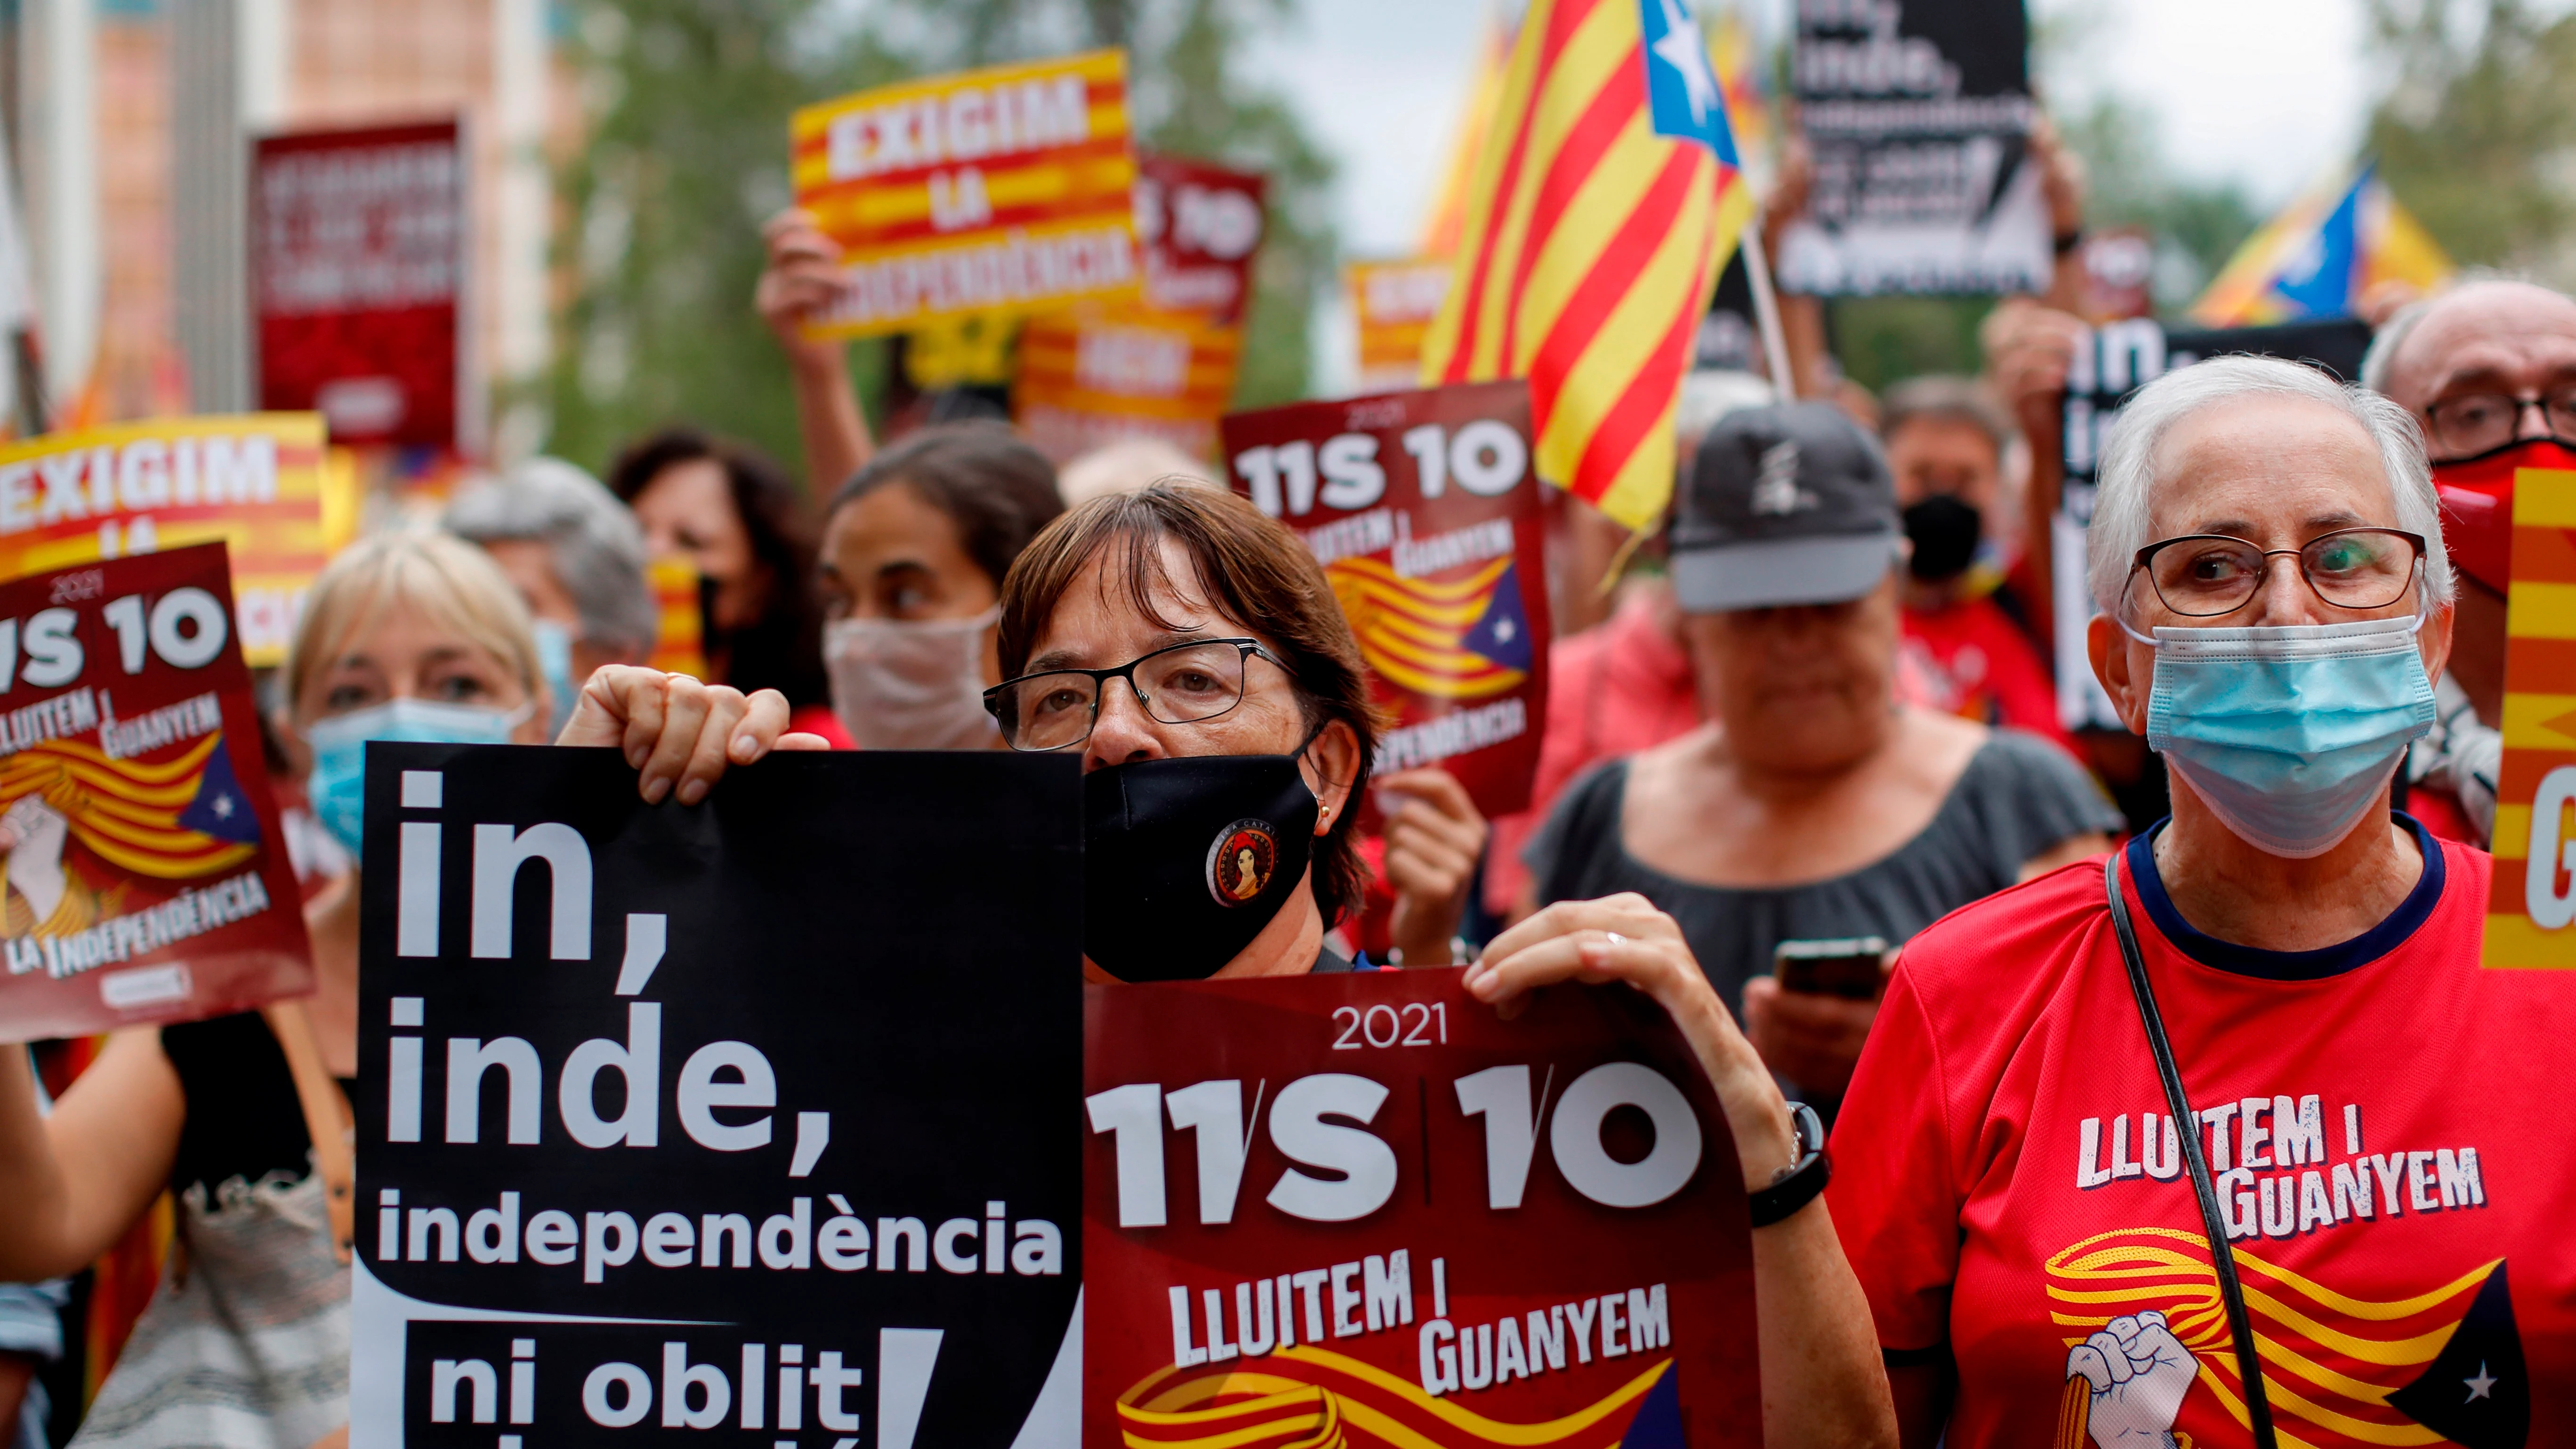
pixel 1394 302
pixel 2531 913
pixel 1084 381
pixel 254 482
pixel 1004 190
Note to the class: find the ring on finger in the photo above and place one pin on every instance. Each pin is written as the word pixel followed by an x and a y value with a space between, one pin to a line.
pixel 1614 938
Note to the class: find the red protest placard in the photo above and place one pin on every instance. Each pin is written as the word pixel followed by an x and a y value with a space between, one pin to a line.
pixel 1163 365
pixel 147 878
pixel 1425 512
pixel 1362 1209
pixel 358 264
pixel 1200 225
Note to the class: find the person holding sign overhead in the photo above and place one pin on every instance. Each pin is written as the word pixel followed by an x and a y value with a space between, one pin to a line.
pixel 2243 1083
pixel 404 637
pixel 1188 650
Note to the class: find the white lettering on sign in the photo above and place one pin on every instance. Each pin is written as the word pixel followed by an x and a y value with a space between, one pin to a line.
pixel 220 470
pixel 359 228
pixel 2549 882
pixel 1133 1117
pixel 1132 361
pixel 971 123
pixel 1486 456
pixel 1012 268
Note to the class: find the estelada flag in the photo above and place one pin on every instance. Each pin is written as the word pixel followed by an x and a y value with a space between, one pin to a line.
pixel 147 877
pixel 2321 255
pixel 1427 518
pixel 1608 195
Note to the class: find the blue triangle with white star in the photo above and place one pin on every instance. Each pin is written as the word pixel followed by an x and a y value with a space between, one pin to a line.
pixel 2476 1392
pixel 1502 633
pixel 1683 97
pixel 1658 1421
pixel 221 809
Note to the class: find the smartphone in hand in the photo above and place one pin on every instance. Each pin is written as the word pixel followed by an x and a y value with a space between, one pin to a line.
pixel 1851 968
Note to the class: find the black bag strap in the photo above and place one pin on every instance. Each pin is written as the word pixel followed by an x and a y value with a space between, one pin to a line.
pixel 2240 1324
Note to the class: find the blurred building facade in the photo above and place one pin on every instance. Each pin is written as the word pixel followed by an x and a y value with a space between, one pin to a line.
pixel 129 128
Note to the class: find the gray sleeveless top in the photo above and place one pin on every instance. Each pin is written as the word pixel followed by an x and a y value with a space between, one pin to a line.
pixel 2019 796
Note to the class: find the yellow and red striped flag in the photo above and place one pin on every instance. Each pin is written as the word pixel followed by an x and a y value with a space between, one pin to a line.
pixel 1607 196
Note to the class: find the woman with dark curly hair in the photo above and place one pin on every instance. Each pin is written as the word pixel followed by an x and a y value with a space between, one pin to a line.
pixel 736 515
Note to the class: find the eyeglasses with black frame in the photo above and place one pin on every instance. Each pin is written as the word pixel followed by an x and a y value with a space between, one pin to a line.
pixel 2481 422
pixel 1190 683
pixel 2201 575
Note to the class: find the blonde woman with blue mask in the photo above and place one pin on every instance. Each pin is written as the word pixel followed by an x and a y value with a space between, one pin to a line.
pixel 404 637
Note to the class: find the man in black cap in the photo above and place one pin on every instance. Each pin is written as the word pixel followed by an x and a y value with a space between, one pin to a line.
pixel 1813 807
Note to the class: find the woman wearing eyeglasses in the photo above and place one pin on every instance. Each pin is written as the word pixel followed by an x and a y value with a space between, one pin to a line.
pixel 1189 651
pixel 2228 1139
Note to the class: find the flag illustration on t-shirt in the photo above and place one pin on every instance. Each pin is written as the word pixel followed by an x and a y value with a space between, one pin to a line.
pixel 1462 639
pixel 2339 1370
pixel 1307 1396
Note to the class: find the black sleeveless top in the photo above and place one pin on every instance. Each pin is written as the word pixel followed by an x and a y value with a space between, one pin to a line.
pixel 244 1119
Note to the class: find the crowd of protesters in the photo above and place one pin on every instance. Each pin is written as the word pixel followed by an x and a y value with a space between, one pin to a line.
pixel 1817 713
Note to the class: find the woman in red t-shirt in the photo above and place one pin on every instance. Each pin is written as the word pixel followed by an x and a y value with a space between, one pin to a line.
pixel 2358 1116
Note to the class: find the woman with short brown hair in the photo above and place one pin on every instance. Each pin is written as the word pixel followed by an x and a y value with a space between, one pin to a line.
pixel 1243 727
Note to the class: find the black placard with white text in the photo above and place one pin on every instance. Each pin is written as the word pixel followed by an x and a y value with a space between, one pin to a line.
pixel 751 1123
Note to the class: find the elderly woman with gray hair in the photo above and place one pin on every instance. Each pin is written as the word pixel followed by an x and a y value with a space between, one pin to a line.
pixel 577 557
pixel 2227 1138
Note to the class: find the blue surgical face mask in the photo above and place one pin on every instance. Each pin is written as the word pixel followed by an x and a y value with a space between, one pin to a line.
pixel 2288 732
pixel 337 786
pixel 554 661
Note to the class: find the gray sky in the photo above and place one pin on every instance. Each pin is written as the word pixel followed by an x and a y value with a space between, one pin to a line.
pixel 2269 92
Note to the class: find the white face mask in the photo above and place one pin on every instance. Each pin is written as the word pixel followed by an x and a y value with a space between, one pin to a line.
pixel 911 685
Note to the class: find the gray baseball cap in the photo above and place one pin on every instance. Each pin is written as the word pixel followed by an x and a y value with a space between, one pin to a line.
pixel 1783 506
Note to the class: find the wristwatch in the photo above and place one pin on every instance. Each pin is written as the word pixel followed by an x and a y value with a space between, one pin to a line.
pixel 1797 1184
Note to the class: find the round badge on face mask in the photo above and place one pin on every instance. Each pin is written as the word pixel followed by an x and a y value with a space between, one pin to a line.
pixel 1186 860
pixel 1241 862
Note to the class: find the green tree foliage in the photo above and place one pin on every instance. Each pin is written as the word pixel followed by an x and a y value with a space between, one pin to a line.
pixel 2476 133
pixel 687 104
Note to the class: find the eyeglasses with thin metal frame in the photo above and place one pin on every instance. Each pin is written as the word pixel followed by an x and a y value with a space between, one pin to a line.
pixel 2202 575
pixel 1192 683
pixel 2481 422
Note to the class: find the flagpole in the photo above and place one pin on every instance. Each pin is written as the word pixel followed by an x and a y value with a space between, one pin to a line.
pixel 1766 311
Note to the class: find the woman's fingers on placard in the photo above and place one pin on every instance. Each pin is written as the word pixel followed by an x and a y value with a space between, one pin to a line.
pixel 684 713
pixel 1617 938
pixel 1628 913
pixel 758 729
pixel 722 739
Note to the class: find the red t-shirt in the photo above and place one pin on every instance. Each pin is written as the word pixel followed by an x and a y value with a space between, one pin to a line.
pixel 2384 1119
pixel 1981 665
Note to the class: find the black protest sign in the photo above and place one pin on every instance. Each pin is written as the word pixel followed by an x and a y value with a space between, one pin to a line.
pixel 2108 368
pixel 756 1122
pixel 1917 115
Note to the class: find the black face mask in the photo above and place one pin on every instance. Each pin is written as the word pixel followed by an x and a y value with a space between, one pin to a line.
pixel 1945 533
pixel 1185 861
